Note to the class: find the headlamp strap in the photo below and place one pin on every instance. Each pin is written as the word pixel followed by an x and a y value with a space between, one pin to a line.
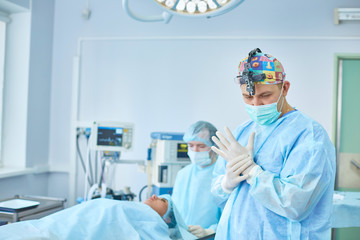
pixel 248 74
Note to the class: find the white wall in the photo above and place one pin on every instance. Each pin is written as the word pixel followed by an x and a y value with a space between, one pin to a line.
pixel 172 100
pixel 277 27
pixel 32 184
pixel 38 103
pixel 16 88
pixel 27 97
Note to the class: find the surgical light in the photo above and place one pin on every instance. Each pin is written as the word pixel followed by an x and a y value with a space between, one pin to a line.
pixel 205 8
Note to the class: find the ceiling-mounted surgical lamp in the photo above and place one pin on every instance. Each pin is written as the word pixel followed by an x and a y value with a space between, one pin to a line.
pixel 192 8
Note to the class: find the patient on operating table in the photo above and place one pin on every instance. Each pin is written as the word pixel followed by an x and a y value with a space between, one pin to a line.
pixel 155 218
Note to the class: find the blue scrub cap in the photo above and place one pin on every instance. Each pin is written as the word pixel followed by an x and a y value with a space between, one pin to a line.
pixel 175 222
pixel 201 131
pixel 169 215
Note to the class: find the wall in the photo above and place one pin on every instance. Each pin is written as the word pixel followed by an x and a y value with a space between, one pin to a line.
pixel 30 184
pixel 27 98
pixel 15 88
pixel 40 66
pixel 302 35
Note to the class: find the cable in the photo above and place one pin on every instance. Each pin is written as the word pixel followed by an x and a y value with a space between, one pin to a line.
pixel 110 172
pixel 78 151
pixel 90 168
pixel 149 170
pixel 87 168
pixel 102 171
pixel 86 173
pixel 80 155
pixel 142 189
pixel 96 167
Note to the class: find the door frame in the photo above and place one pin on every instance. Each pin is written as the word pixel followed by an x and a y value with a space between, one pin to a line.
pixel 336 116
pixel 337 93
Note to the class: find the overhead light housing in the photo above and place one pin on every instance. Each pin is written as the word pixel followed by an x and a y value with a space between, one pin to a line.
pixel 193 8
pixel 346 14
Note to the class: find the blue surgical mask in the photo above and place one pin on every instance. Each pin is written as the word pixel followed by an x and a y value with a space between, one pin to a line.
pixel 200 158
pixel 265 114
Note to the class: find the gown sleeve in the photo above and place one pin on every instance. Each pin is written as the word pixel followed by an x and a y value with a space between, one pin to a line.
pixel 307 173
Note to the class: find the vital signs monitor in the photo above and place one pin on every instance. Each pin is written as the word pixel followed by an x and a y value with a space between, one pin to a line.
pixel 112 136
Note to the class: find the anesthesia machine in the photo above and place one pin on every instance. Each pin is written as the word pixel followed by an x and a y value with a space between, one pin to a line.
pixel 167 155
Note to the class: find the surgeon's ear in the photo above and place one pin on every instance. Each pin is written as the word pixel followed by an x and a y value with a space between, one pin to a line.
pixel 286 88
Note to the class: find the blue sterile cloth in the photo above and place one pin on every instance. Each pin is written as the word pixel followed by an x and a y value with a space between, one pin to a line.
pixel 178 230
pixel 95 219
pixel 292 197
pixel 346 210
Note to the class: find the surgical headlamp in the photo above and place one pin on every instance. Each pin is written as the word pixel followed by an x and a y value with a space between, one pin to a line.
pixel 248 77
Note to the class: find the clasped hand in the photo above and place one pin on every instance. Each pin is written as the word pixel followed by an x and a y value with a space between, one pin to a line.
pixel 239 158
pixel 229 148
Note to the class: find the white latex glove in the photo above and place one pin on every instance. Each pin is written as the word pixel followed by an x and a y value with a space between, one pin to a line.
pixel 240 160
pixel 200 232
pixel 252 171
pixel 229 148
pixel 234 169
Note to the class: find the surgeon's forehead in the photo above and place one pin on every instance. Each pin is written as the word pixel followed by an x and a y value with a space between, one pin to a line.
pixel 260 88
pixel 196 143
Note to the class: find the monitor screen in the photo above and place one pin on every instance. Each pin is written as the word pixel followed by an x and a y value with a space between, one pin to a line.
pixel 110 136
pixel 182 149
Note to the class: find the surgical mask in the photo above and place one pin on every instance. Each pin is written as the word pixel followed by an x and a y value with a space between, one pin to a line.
pixel 265 114
pixel 200 158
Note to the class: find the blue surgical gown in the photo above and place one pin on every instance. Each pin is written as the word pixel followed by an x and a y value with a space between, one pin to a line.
pixel 292 197
pixel 192 196
pixel 95 219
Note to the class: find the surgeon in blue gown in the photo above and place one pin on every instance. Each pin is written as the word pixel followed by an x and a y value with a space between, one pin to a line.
pixel 192 188
pixel 276 172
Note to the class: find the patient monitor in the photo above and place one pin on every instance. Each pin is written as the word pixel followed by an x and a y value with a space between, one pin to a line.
pixel 108 140
pixel 112 136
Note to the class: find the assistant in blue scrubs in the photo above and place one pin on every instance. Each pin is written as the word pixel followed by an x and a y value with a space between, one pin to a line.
pixel 191 192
